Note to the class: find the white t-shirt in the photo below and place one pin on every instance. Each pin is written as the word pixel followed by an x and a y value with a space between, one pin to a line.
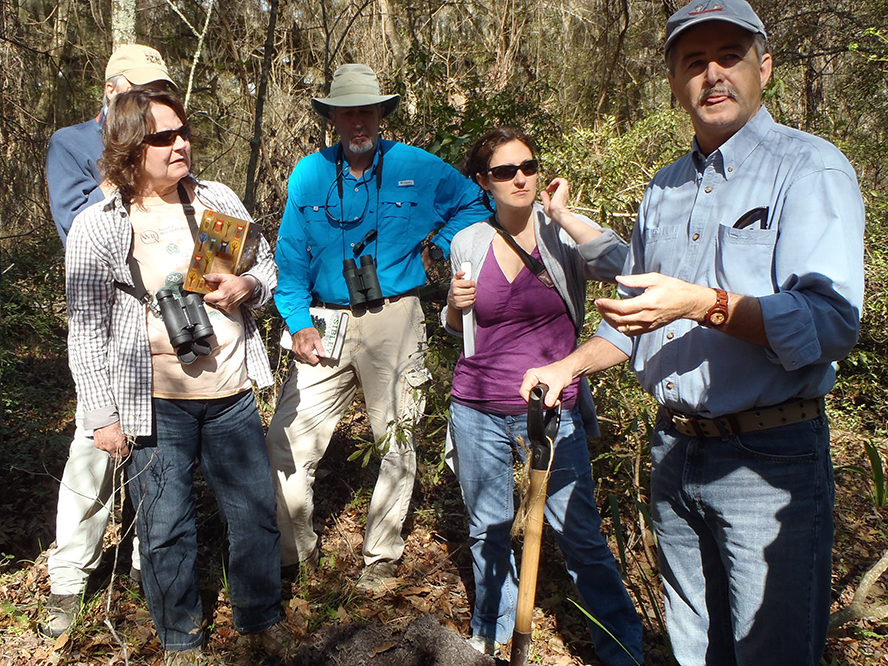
pixel 162 249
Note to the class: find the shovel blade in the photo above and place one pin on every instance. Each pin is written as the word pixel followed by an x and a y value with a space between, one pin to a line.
pixel 520 649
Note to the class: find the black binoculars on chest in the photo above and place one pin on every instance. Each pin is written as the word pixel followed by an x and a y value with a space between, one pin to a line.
pixel 186 323
pixel 362 282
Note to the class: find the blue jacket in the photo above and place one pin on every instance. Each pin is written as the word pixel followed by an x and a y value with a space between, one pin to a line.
pixel 418 194
pixel 72 172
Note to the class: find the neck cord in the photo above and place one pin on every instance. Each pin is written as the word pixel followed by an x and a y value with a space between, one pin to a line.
pixel 377 173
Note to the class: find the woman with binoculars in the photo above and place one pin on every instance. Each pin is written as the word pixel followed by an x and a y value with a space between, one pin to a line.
pixel 167 407
pixel 529 266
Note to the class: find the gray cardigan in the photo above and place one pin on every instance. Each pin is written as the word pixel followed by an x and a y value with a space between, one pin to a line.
pixel 569 265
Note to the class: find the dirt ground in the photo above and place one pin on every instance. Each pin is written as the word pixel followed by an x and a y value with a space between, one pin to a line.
pixel 424 620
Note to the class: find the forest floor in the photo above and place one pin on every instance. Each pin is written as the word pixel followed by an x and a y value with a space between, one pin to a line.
pixel 422 620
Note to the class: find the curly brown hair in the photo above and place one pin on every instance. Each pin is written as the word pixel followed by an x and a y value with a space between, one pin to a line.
pixel 128 122
pixel 477 160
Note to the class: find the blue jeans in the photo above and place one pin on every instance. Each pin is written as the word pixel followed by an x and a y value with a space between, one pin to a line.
pixel 225 436
pixel 486 445
pixel 745 533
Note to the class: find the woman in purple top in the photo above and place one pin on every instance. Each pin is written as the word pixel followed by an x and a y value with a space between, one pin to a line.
pixel 527 311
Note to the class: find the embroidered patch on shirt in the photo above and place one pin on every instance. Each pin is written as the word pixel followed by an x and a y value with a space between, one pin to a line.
pixel 404 183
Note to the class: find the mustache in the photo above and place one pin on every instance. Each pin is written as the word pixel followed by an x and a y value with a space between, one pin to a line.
pixel 718 89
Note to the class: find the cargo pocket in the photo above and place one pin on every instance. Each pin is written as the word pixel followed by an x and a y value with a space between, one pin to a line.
pixel 413 393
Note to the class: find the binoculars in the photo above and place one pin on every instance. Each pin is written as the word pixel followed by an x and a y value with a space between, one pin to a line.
pixel 187 324
pixel 362 282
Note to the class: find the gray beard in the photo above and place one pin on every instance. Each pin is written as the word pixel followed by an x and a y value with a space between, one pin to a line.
pixel 362 148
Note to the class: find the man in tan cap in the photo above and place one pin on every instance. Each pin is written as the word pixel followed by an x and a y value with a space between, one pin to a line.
pixel 72 172
pixel 85 497
pixel 353 238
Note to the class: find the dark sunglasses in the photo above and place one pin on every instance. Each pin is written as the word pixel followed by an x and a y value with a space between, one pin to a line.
pixel 167 138
pixel 508 171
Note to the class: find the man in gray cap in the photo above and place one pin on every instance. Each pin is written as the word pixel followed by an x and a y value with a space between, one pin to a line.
pixel 354 238
pixel 85 495
pixel 743 287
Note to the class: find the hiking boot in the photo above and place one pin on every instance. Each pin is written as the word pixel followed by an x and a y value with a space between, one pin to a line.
pixel 305 568
pixel 484 644
pixel 310 564
pixel 61 609
pixel 192 657
pixel 377 578
pixel 135 575
pixel 276 641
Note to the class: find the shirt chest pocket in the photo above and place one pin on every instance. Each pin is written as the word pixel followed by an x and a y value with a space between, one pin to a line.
pixel 320 228
pixel 745 260
pixel 399 215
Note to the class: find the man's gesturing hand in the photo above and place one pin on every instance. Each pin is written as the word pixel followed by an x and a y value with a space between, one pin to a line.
pixel 665 299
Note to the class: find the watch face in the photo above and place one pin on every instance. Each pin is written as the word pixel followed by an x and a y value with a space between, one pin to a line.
pixel 717 318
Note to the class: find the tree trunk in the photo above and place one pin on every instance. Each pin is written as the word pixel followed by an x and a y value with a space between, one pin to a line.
pixel 256 141
pixel 123 22
pixel 391 33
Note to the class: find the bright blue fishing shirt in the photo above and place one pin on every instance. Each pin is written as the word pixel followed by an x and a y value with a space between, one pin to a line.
pixel 418 194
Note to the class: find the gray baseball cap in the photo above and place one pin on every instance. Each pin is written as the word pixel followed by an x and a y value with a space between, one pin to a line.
pixel 737 12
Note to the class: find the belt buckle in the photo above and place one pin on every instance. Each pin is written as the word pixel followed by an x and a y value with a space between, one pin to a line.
pixel 682 421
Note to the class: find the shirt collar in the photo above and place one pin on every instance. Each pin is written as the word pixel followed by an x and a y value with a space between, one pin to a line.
pixel 733 152
pixel 370 172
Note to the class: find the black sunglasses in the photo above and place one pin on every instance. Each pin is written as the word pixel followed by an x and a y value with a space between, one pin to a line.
pixel 508 171
pixel 167 138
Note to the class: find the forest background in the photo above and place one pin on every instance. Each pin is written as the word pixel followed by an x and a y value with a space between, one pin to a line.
pixel 585 77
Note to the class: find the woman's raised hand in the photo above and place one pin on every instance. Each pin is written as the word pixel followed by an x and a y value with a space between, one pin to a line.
pixel 555 198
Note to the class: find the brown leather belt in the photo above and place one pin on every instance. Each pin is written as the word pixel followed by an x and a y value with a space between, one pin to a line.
pixel 388 300
pixel 793 411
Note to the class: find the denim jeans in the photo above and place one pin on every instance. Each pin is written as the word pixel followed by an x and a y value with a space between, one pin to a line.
pixel 486 445
pixel 745 533
pixel 225 437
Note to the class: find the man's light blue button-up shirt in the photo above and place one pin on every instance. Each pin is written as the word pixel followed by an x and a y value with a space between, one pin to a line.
pixel 801 255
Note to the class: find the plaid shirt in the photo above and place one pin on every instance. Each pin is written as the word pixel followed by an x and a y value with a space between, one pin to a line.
pixel 108 348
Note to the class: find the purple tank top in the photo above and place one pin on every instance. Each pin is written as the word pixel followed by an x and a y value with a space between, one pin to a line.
pixel 521 325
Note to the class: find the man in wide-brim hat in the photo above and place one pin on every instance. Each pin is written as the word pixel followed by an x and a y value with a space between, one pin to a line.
pixel 385 209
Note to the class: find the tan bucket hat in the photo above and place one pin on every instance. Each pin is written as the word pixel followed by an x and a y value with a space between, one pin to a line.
pixel 139 64
pixel 354 85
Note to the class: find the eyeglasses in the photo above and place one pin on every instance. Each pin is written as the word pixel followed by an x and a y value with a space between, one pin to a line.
pixel 508 171
pixel 167 138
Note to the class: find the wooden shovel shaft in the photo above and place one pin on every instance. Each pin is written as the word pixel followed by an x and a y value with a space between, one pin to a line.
pixel 530 563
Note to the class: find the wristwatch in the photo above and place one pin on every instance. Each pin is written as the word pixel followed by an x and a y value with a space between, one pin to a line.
pixel 718 313
pixel 435 252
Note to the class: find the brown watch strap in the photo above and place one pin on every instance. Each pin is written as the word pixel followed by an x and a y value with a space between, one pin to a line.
pixel 718 313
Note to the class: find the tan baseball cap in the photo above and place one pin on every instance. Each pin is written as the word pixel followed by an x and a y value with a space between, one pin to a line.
pixel 139 64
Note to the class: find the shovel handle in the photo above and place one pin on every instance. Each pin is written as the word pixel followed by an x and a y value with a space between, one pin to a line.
pixel 536 427
pixel 530 564
pixel 542 428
